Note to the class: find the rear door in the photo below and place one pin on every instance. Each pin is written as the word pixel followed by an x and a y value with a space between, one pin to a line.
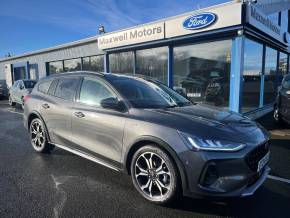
pixel 56 109
pixel 96 130
pixel 285 98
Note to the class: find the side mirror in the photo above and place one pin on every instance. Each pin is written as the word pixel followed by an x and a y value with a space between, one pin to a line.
pixel 112 103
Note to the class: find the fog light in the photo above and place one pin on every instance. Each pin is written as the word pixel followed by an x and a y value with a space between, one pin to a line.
pixel 210 175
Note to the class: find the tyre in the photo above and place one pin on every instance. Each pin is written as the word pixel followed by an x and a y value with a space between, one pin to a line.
pixel 155 175
pixel 277 116
pixel 11 103
pixel 38 137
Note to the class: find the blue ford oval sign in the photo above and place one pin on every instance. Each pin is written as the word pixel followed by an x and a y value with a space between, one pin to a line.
pixel 199 21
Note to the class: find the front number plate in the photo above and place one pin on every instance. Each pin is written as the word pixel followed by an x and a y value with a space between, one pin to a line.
pixel 263 162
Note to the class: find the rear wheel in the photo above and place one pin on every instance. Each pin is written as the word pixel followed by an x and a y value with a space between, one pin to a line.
pixel 154 175
pixel 11 103
pixel 38 137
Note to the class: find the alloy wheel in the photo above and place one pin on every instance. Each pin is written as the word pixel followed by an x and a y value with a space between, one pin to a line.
pixel 37 135
pixel 152 175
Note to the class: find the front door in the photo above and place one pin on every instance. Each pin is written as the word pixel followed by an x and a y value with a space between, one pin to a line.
pixel 96 130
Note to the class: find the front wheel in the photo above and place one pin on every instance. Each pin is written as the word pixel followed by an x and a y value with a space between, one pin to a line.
pixel 38 137
pixel 154 175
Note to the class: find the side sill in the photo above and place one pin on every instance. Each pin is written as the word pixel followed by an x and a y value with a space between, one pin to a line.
pixel 87 156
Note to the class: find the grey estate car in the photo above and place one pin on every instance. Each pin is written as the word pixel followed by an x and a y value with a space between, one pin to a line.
pixel 20 89
pixel 137 125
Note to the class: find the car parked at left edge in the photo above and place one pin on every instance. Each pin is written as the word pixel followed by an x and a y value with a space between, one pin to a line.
pixel 19 90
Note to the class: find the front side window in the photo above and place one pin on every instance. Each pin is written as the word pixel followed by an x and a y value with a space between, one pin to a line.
pixel 202 72
pixel 66 88
pixel 93 92
pixel 270 75
pixel 153 63
pixel 252 74
pixel 121 62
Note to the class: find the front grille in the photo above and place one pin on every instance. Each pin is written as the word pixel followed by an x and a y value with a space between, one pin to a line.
pixel 256 155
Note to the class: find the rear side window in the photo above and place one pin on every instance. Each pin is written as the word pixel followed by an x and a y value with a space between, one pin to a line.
pixel 44 86
pixel 66 88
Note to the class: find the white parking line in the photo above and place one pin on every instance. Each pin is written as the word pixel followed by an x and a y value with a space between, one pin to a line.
pixel 279 179
pixel 9 110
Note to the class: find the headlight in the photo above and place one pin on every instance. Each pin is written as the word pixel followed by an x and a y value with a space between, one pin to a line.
pixel 210 144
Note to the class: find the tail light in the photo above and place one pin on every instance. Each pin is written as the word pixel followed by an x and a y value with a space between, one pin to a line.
pixel 26 98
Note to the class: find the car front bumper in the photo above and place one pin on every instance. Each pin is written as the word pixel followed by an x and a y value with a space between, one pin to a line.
pixel 220 174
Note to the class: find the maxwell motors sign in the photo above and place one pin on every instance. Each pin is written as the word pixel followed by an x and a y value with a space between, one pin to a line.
pixel 132 36
pixel 258 19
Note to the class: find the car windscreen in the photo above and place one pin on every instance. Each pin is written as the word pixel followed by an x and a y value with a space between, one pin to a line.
pixel 145 94
pixel 29 84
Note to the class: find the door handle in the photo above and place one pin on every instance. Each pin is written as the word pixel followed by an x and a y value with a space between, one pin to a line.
pixel 79 114
pixel 45 106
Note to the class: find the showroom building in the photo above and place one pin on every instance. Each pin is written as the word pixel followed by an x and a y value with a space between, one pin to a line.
pixel 231 55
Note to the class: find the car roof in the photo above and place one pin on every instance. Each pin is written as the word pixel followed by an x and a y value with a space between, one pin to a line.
pixel 110 76
pixel 26 80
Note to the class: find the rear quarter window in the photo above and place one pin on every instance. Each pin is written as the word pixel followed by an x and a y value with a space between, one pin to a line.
pixel 44 86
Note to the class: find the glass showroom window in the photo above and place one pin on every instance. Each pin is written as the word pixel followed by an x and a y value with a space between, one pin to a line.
pixel 121 62
pixel 270 75
pixel 153 63
pixel 202 72
pixel 253 56
pixel 33 71
pixel 94 63
pixel 55 67
pixel 282 66
pixel 72 65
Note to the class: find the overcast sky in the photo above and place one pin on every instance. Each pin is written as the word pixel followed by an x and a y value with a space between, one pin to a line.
pixel 27 25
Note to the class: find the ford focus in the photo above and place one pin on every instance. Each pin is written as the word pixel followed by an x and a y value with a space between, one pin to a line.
pixel 136 125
